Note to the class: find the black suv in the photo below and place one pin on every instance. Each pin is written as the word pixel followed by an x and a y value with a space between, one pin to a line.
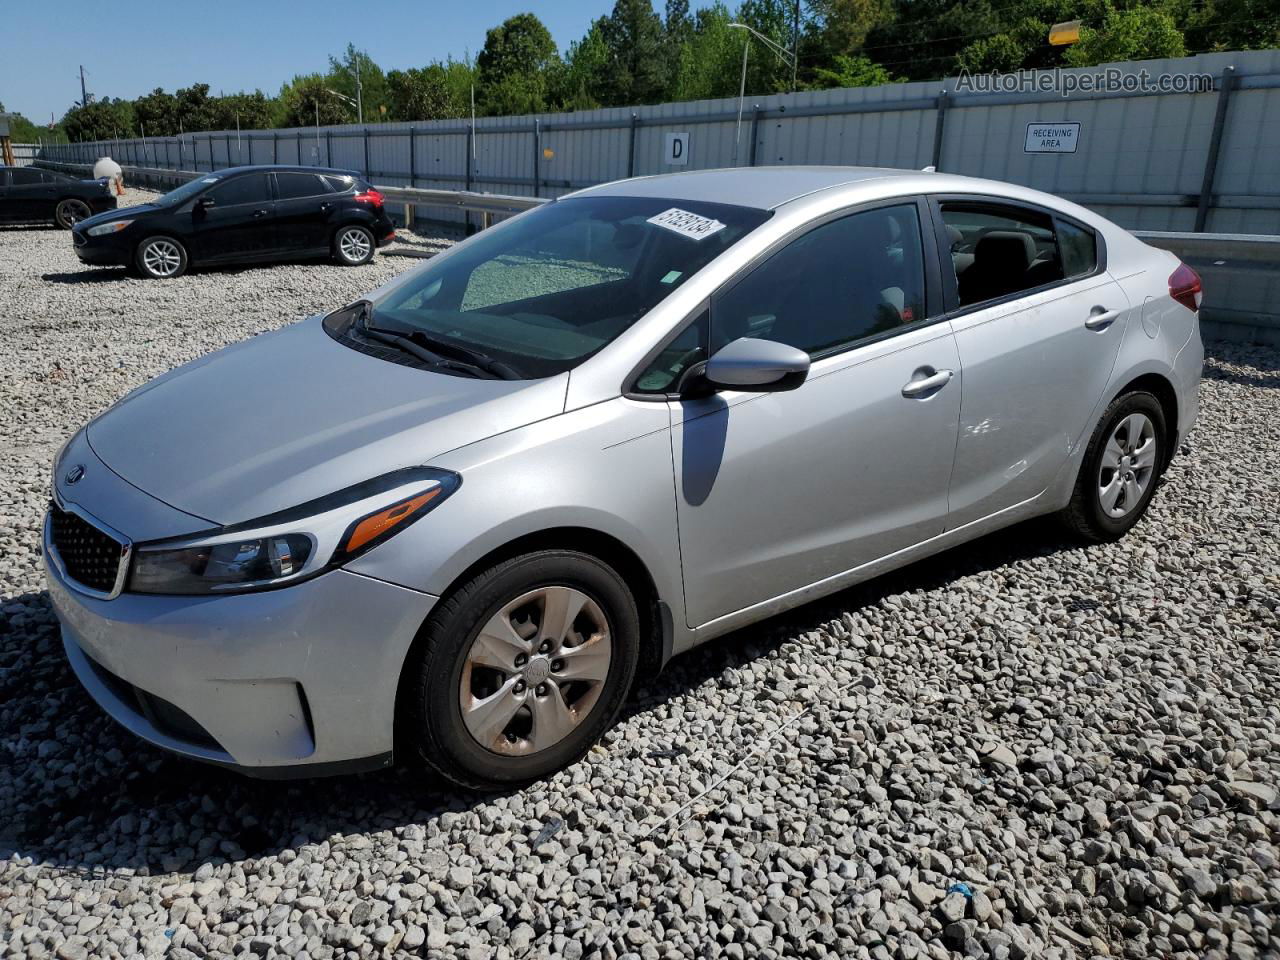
pixel 242 214
pixel 31 195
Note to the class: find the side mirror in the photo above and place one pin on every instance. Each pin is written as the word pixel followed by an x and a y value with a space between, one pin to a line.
pixel 761 366
pixel 204 203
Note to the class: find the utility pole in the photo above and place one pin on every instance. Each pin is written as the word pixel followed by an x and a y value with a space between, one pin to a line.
pixel 359 92
pixel 795 45
pixel 84 96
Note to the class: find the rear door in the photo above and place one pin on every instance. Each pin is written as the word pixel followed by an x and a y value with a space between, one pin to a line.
pixel 31 194
pixel 305 204
pixel 6 204
pixel 1038 324
pixel 240 224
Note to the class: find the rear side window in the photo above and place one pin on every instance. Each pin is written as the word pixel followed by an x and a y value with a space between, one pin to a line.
pixel 1079 248
pixel 291 186
pixel 844 281
pixel 998 251
pixel 248 188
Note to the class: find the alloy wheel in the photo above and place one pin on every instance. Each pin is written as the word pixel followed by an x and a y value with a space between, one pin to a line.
pixel 1128 465
pixel 535 670
pixel 355 245
pixel 71 212
pixel 162 258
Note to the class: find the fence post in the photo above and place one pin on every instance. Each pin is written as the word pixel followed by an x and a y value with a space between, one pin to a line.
pixel 631 146
pixel 367 173
pixel 275 146
pixel 328 148
pixel 1215 145
pixel 755 132
pixel 466 161
pixel 939 128
pixel 537 159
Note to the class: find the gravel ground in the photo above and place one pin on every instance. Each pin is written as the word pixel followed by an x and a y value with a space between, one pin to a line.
pixel 1022 748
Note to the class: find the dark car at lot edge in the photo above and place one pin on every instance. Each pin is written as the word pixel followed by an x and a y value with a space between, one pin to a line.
pixel 31 195
pixel 239 215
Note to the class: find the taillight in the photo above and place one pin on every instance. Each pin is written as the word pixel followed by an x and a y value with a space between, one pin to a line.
pixel 1184 286
pixel 371 197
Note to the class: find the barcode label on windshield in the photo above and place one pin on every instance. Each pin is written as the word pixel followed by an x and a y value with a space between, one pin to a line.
pixel 687 224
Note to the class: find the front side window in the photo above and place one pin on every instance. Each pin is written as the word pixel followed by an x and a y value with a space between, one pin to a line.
pixel 26 177
pixel 187 191
pixel 547 291
pixel 248 188
pixel 997 251
pixel 845 281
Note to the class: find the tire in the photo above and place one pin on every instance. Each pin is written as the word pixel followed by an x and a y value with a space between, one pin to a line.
pixel 353 246
pixel 70 211
pixel 447 676
pixel 1104 507
pixel 160 258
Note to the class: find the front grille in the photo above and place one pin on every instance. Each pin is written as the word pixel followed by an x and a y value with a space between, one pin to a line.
pixel 167 718
pixel 89 557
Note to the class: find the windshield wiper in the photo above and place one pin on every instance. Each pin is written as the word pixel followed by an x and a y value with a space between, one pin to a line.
pixel 462 358
pixel 394 338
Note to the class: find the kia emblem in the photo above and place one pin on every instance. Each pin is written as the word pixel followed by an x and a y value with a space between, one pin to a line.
pixel 74 474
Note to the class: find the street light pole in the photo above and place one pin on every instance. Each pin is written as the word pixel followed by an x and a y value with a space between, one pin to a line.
pixel 795 45
pixel 742 92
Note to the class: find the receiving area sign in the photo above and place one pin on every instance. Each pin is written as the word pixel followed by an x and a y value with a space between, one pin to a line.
pixel 1052 138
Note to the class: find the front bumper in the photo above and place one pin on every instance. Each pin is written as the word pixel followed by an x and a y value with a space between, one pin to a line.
pixel 101 251
pixel 299 681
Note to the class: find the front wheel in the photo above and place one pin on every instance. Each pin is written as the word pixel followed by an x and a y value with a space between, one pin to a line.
pixel 1121 467
pixel 520 670
pixel 71 211
pixel 353 246
pixel 160 258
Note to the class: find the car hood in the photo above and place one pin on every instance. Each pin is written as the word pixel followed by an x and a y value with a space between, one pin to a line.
pixel 293 415
pixel 120 213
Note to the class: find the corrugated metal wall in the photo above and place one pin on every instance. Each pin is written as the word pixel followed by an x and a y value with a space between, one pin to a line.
pixel 1141 158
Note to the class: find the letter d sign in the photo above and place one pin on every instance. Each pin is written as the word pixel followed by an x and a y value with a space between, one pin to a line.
pixel 677 149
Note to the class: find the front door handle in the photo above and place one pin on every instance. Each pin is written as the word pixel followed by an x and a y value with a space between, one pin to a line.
pixel 926 381
pixel 1100 318
pixel 260 213
pixel 326 205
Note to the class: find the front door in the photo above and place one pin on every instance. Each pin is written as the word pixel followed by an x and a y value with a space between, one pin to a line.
pixel 779 491
pixel 239 224
pixel 1038 325
pixel 31 194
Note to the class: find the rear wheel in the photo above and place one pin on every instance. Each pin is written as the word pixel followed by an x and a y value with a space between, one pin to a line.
pixel 352 246
pixel 520 670
pixel 1120 470
pixel 160 258
pixel 71 211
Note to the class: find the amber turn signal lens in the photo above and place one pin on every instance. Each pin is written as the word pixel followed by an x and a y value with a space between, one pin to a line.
pixel 376 524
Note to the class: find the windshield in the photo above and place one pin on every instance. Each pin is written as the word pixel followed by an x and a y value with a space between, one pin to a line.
pixel 546 292
pixel 186 191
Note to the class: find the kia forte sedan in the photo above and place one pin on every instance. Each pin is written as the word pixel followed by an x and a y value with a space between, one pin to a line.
pixel 455 518
pixel 242 215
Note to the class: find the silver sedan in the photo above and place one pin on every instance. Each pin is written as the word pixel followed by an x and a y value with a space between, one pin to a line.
pixel 457 518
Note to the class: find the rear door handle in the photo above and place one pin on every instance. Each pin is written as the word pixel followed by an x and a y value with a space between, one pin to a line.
pixel 1100 318
pixel 926 381
pixel 260 213
pixel 326 205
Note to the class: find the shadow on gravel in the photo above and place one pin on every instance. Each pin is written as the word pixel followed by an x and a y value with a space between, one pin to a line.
pixel 89 275
pixel 1249 378
pixel 80 793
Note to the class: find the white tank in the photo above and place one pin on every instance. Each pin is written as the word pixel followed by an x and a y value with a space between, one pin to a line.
pixel 108 168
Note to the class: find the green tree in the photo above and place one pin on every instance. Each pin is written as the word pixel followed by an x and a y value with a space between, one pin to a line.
pixel 302 98
pixel 1143 33
pixel 637 69
pixel 157 113
pixel 422 93
pixel 514 66
pixel 195 109
pixel 250 111
pixel 100 120
pixel 710 60
pixel 374 90
pixel 1234 25
pixel 846 71
pixel 578 81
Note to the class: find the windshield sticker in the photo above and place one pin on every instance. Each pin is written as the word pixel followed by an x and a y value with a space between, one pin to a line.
pixel 209 180
pixel 671 277
pixel 687 224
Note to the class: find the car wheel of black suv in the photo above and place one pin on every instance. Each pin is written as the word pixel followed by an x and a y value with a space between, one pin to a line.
pixel 352 246
pixel 1121 467
pixel 160 258
pixel 71 211
pixel 520 670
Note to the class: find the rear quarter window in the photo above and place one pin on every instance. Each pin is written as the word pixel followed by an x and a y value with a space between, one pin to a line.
pixel 1079 248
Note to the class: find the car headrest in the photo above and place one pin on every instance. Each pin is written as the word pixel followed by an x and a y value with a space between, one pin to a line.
pixel 1012 249
pixel 954 235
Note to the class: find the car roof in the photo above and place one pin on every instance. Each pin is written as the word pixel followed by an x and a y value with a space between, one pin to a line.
pixel 767 188
pixel 281 168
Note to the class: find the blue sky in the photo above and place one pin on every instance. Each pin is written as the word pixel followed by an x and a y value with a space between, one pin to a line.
pixel 129 47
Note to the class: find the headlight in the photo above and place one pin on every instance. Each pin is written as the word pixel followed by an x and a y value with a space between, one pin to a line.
pixel 102 229
pixel 293 545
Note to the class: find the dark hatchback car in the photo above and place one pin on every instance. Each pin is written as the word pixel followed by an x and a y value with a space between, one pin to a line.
pixel 28 195
pixel 242 214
